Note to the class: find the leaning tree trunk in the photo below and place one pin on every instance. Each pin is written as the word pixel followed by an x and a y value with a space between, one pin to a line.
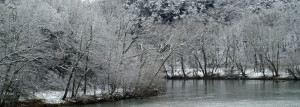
pixel 291 72
pixel 68 85
pixel 199 64
pixel 273 68
pixel 242 69
pixel 69 81
pixel 182 67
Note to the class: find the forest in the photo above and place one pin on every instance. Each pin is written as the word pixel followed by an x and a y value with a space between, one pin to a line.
pixel 106 50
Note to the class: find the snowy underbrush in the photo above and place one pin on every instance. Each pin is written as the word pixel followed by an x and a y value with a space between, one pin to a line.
pixel 223 73
pixel 54 98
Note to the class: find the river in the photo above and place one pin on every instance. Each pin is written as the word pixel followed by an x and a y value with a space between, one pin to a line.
pixel 219 93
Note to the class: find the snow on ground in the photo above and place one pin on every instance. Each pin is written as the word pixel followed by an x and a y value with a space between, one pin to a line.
pixel 50 97
pixel 91 92
pixel 251 74
pixel 55 97
pixel 222 72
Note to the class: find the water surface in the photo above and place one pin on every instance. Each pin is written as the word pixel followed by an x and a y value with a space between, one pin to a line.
pixel 219 93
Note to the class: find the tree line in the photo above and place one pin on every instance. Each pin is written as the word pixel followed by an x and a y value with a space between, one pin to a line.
pixel 79 46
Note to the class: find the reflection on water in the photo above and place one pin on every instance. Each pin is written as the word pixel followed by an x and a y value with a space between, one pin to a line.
pixel 219 93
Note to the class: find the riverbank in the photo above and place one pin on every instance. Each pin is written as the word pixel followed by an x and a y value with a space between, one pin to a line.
pixel 54 98
pixel 221 74
pixel 226 78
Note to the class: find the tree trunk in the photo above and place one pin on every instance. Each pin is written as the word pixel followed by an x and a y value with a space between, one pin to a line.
pixel 262 65
pixel 172 70
pixel 77 88
pixel 273 68
pixel 226 58
pixel 163 63
pixel 255 62
pixel 172 66
pixel 291 72
pixel 5 85
pixel 199 64
pixel 241 68
pixel 68 84
pixel 73 88
pixel 205 61
pixel 95 89
pixel 182 67
pixel 80 80
pixel 167 76
pixel 85 83
pixel 277 62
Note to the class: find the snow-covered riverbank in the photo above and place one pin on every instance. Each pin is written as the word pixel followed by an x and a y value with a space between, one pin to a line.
pixel 51 97
pixel 225 74
pixel 54 98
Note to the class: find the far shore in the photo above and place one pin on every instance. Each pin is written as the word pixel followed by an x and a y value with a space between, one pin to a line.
pixel 226 78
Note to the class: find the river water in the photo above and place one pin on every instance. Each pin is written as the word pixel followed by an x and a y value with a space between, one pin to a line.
pixel 219 93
